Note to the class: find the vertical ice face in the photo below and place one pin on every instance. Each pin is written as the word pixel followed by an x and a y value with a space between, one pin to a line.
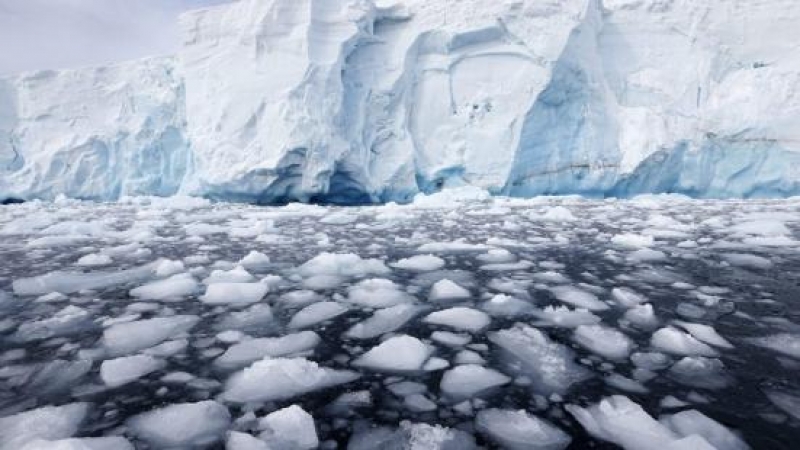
pixel 265 95
pixel 355 101
pixel 95 133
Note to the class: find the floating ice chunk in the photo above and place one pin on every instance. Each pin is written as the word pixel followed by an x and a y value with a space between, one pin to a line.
pixel 784 343
pixel 562 316
pixel 420 263
pixel 243 441
pixel 604 341
pixel 627 298
pixel 339 218
pixel 642 316
pixel 555 214
pixel 551 277
pixel 518 430
pixel 761 228
pixel 459 246
pixel 502 305
pixel 747 261
pixel 619 420
pixel 470 380
pixel 676 342
pixel 257 318
pixel 98 443
pixel 625 384
pixel 299 299
pixel 646 255
pixel 449 197
pixel 446 290
pixel 182 425
pixel 705 333
pixel 236 275
pixel 316 313
pixel 254 260
pixel 383 321
pixel 460 318
pixel 377 293
pixel 700 372
pixel 58 376
pixel 174 287
pixel 342 264
pixel 168 267
pixel 289 428
pixel 419 403
pixel 629 240
pixel 288 378
pixel 550 365
pixel 48 422
pixel 94 260
pixel 247 352
pixel 788 403
pixel 412 436
pixel 71 282
pixel 234 293
pixel 693 422
pixel 451 339
pixel 67 321
pixel 130 337
pixel 167 349
pixel 120 371
pixel 578 298
pixel 397 354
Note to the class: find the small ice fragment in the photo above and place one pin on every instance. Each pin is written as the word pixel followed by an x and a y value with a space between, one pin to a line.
pixel 470 380
pixel 124 338
pixel 460 318
pixel 420 263
pixel 676 342
pixel 234 293
pixel 446 290
pixel 316 313
pixel 518 430
pixel 47 422
pixel 289 428
pixel 397 354
pixel 604 341
pixel 182 425
pixel 578 298
pixel 120 371
pixel 174 287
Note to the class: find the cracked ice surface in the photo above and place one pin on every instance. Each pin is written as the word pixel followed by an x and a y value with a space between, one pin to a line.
pixel 493 322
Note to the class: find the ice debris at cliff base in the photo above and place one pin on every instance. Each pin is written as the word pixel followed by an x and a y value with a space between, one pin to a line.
pixel 520 323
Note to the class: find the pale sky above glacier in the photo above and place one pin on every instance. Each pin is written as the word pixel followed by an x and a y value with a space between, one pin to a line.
pixel 48 34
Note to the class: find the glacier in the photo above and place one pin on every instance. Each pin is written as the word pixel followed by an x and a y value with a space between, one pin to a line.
pixel 362 101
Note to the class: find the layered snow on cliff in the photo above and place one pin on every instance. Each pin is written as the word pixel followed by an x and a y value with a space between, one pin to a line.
pixel 94 133
pixel 374 100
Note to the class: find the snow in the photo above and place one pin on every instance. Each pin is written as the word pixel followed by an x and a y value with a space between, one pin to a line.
pixel 234 293
pixel 315 313
pixel 289 377
pixel 397 354
pixel 518 430
pixel 460 318
pixel 469 380
pixel 182 425
pixel 47 422
pixel 125 338
pixel 290 428
pixel 120 371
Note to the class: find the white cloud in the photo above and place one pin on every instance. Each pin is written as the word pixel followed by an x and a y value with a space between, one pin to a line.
pixel 48 34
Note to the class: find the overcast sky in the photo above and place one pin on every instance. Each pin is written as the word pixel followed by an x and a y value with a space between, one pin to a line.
pixel 50 34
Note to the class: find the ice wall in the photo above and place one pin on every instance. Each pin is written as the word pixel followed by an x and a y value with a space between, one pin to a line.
pixel 354 101
pixel 95 133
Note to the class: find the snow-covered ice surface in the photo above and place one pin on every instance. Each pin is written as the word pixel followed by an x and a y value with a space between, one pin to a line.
pixel 479 321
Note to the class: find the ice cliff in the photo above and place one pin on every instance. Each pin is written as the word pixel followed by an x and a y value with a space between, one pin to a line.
pixel 372 100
